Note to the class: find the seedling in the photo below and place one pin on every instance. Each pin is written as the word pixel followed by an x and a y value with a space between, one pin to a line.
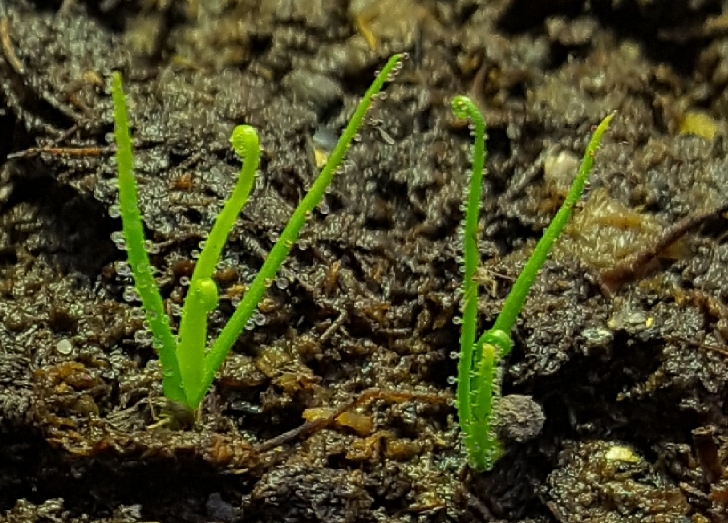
pixel 188 368
pixel 478 368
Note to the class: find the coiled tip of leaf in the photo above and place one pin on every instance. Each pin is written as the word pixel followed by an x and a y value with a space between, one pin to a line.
pixel 463 107
pixel 206 292
pixel 245 141
pixel 497 338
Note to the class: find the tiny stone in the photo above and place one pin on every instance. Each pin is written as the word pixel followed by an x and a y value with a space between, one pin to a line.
pixel 518 418
pixel 64 346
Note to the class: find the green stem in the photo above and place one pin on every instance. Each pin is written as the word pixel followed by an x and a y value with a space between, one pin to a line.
pixel 133 229
pixel 202 295
pixel 247 146
pixel 482 444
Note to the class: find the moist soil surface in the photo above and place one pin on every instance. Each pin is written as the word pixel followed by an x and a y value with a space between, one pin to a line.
pixel 336 404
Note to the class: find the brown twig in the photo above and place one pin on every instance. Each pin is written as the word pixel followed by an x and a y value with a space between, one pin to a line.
pixel 23 85
pixel 7 46
pixel 701 299
pixel 63 151
pixel 364 398
pixel 720 350
pixel 636 265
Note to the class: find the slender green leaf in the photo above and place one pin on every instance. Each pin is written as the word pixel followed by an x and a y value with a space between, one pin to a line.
pixel 133 229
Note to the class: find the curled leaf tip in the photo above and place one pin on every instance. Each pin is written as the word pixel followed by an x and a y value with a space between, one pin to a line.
pixel 206 290
pixel 463 107
pixel 498 338
pixel 245 141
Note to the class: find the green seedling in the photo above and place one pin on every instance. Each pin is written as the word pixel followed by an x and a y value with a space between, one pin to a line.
pixel 188 366
pixel 478 368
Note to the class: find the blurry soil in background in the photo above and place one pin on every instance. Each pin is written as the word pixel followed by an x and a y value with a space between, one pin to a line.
pixel 359 331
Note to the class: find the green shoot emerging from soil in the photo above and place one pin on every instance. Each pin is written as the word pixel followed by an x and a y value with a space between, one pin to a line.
pixel 478 369
pixel 188 367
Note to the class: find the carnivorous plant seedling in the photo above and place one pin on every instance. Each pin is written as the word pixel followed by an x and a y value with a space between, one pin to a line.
pixel 478 367
pixel 188 367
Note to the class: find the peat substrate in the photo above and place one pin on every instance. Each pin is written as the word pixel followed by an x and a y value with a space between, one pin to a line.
pixel 336 404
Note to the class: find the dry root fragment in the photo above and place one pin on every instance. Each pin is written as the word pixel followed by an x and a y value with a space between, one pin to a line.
pixel 319 421
pixel 638 264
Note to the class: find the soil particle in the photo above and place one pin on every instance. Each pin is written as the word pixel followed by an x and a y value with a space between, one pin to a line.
pixel 302 493
pixel 519 418
pixel 605 481
pixel 52 511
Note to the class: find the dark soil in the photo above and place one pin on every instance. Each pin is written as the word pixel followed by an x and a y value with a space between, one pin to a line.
pixel 630 375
